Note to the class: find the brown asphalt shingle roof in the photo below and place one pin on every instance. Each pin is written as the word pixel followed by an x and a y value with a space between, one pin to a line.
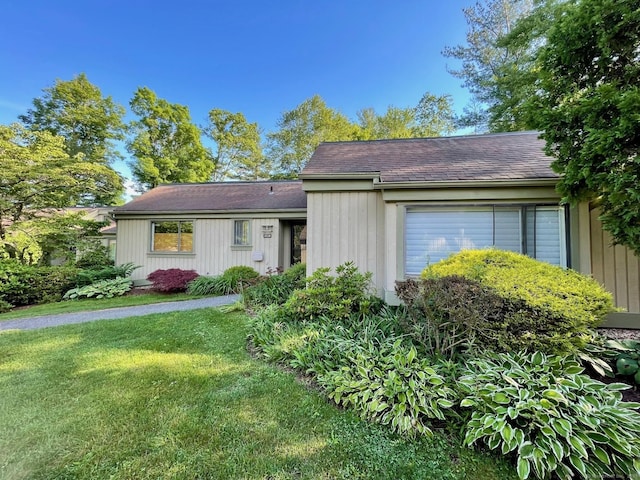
pixel 504 156
pixel 222 196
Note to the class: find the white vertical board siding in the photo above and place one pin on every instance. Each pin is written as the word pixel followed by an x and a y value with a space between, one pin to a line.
pixel 344 227
pixel 133 239
pixel 213 252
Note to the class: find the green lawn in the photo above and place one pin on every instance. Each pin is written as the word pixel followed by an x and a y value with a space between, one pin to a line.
pixel 176 396
pixel 89 304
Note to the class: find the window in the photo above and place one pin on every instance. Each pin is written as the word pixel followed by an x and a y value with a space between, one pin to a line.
pixel 175 236
pixel 435 233
pixel 241 233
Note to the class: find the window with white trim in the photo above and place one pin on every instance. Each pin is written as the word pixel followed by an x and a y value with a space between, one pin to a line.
pixel 172 236
pixel 241 233
pixel 432 234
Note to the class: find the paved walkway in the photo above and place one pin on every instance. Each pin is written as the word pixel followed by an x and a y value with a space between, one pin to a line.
pixel 112 313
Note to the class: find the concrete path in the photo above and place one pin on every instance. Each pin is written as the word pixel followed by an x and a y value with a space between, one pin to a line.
pixel 112 313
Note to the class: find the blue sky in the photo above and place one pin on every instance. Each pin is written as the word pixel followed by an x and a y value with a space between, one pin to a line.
pixel 257 57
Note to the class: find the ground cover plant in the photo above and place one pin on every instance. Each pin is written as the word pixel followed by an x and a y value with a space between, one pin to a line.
pixel 232 280
pixel 177 396
pixel 418 370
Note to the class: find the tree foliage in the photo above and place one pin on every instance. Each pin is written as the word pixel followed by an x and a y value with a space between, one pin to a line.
pixel 434 116
pixel 166 144
pixel 238 153
pixel 493 72
pixel 90 123
pixel 39 176
pixel 588 106
pixel 301 130
pixel 396 122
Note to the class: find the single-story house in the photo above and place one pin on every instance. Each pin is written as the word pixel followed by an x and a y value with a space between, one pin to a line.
pixel 209 227
pixel 391 206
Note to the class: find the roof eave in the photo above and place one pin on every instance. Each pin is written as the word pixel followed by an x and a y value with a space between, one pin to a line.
pixel 340 176
pixel 191 213
pixel 528 182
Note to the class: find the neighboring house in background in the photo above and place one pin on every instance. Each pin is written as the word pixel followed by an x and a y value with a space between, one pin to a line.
pixel 209 227
pixel 391 206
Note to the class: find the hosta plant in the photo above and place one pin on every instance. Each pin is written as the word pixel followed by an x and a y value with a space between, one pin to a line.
pixel 555 421
pixel 392 385
pixel 103 289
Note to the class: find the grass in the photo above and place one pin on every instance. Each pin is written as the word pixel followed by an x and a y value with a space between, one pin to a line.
pixel 176 396
pixel 90 304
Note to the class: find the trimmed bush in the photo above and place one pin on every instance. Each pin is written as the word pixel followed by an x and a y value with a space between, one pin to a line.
pixel 240 276
pixel 171 280
pixel 547 307
pixel 451 315
pixel 275 289
pixel 553 419
pixel 115 287
pixel 22 285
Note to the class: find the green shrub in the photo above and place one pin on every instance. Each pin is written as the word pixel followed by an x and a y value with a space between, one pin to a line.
pixel 450 315
pixel 5 306
pixel 275 289
pixel 547 308
pixel 240 276
pixel 98 256
pixel 233 280
pixel 114 287
pixel 89 276
pixel 29 285
pixel 204 285
pixel 337 297
pixel 553 419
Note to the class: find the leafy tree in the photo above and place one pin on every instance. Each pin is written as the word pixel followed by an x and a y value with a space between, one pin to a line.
pixel 394 123
pixel 434 116
pixel 301 130
pixel 89 123
pixel 493 72
pixel 166 144
pixel 238 153
pixel 588 106
pixel 39 175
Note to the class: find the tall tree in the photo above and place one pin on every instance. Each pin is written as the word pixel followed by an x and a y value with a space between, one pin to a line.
pixel 39 175
pixel 434 116
pixel 588 104
pixel 394 123
pixel 238 152
pixel 89 123
pixel 301 130
pixel 487 63
pixel 166 144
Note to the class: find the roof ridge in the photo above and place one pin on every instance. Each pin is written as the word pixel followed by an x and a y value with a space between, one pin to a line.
pixel 447 137
pixel 229 182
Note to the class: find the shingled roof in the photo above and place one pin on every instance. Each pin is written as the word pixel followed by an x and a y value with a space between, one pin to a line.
pixel 503 156
pixel 217 197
